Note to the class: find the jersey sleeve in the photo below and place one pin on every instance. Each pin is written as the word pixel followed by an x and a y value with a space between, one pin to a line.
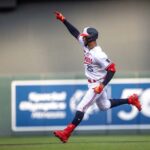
pixel 102 60
pixel 80 39
pixel 73 30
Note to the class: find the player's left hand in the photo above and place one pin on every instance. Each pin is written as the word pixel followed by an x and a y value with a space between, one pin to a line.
pixel 99 88
pixel 59 16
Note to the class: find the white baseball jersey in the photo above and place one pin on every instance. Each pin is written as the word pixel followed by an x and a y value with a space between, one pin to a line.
pixel 95 62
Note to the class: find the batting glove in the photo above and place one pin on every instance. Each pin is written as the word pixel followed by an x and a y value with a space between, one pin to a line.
pixel 59 16
pixel 99 88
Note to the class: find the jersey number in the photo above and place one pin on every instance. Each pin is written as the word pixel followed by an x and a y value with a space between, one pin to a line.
pixel 89 68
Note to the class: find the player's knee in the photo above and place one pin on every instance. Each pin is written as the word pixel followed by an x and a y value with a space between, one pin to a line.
pixel 105 105
pixel 80 108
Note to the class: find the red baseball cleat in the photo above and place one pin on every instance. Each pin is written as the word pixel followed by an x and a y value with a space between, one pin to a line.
pixel 62 135
pixel 133 100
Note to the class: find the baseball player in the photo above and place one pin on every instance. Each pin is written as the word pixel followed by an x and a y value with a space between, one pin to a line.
pixel 99 70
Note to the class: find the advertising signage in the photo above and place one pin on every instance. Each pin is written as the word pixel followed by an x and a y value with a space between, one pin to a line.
pixel 45 105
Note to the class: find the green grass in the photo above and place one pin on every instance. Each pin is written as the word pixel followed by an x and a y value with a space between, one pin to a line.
pixel 109 142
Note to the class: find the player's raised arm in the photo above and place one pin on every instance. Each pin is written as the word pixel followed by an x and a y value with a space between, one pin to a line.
pixel 69 26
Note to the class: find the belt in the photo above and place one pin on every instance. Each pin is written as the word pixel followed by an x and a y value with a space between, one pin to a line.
pixel 91 80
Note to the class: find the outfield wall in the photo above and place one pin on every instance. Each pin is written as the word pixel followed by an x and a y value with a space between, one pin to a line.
pixel 99 121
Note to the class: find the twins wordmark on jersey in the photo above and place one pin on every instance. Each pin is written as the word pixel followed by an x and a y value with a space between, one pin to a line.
pixel 88 58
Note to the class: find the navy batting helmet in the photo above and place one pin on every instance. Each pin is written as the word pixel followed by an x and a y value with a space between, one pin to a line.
pixel 90 33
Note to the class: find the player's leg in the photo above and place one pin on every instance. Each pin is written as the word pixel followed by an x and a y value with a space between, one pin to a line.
pixel 64 135
pixel 89 98
pixel 132 100
pixel 104 103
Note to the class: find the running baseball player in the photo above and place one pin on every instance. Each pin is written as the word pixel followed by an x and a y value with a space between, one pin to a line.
pixel 99 70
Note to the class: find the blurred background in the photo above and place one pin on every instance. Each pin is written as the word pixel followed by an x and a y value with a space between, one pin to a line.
pixel 33 41
pixel 34 45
